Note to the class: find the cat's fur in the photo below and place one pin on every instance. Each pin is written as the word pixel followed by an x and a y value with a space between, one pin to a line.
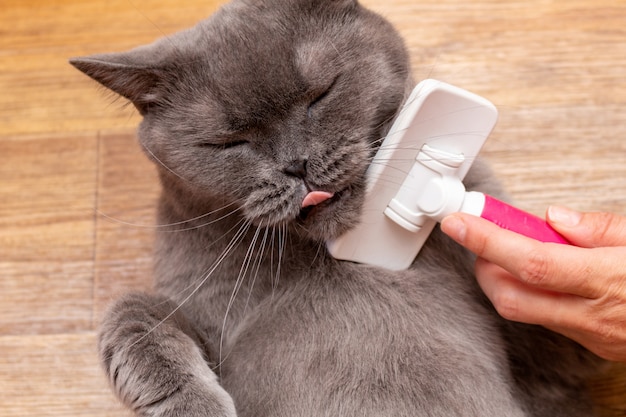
pixel 243 115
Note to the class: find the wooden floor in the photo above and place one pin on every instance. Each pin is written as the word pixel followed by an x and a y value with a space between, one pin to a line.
pixel 76 195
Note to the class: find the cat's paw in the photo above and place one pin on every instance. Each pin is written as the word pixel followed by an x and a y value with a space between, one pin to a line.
pixel 192 401
pixel 154 367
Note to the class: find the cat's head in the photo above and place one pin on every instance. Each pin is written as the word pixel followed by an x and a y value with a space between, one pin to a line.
pixel 265 102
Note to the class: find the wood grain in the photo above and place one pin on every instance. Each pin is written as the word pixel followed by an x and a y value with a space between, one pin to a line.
pixel 76 192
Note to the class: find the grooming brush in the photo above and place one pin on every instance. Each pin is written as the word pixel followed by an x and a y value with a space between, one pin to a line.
pixel 415 179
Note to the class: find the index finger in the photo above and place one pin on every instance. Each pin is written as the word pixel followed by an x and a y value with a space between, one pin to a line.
pixel 549 266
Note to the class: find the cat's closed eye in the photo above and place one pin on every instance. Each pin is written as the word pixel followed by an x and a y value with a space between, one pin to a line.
pixel 223 145
pixel 319 97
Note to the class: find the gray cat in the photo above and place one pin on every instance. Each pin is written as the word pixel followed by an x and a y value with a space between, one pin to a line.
pixel 244 115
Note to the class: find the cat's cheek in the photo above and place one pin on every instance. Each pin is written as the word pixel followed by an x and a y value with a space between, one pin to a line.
pixel 264 208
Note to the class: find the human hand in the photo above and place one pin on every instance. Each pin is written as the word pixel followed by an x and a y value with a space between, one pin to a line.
pixel 578 291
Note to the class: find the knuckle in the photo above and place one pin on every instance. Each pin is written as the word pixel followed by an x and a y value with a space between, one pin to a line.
pixel 606 328
pixel 606 332
pixel 506 304
pixel 606 229
pixel 535 269
pixel 605 336
pixel 604 225
pixel 479 244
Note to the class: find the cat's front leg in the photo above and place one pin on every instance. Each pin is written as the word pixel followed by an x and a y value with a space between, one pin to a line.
pixel 153 363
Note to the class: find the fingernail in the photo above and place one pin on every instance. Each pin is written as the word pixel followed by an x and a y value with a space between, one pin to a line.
pixel 564 216
pixel 454 227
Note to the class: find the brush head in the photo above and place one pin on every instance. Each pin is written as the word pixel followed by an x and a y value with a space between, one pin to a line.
pixel 435 137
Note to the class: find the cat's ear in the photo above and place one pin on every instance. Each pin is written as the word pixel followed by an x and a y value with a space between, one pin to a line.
pixel 127 74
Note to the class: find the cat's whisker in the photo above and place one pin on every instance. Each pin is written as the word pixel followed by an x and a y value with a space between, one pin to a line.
pixel 261 250
pixel 388 179
pixel 282 238
pixel 391 119
pixel 257 265
pixel 194 283
pixel 272 251
pixel 157 160
pixel 404 109
pixel 387 121
pixel 170 225
pixel 275 248
pixel 247 260
pixel 301 227
pixel 435 139
pixel 431 140
pixel 207 223
pixel 231 245
pixel 394 179
pixel 332 44
pixel 321 246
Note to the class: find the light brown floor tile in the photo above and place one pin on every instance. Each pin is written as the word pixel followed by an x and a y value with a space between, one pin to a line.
pixel 47 194
pixel 54 375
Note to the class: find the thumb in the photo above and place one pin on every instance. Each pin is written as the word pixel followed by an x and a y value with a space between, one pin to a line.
pixel 588 230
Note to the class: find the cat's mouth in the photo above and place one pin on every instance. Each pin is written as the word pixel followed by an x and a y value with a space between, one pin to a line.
pixel 316 201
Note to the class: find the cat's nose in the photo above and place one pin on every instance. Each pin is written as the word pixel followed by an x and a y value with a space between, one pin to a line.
pixel 297 168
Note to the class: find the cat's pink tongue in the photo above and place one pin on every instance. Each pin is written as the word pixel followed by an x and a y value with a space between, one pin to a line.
pixel 316 197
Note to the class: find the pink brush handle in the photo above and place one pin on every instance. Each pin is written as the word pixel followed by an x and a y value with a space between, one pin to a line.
pixel 516 220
